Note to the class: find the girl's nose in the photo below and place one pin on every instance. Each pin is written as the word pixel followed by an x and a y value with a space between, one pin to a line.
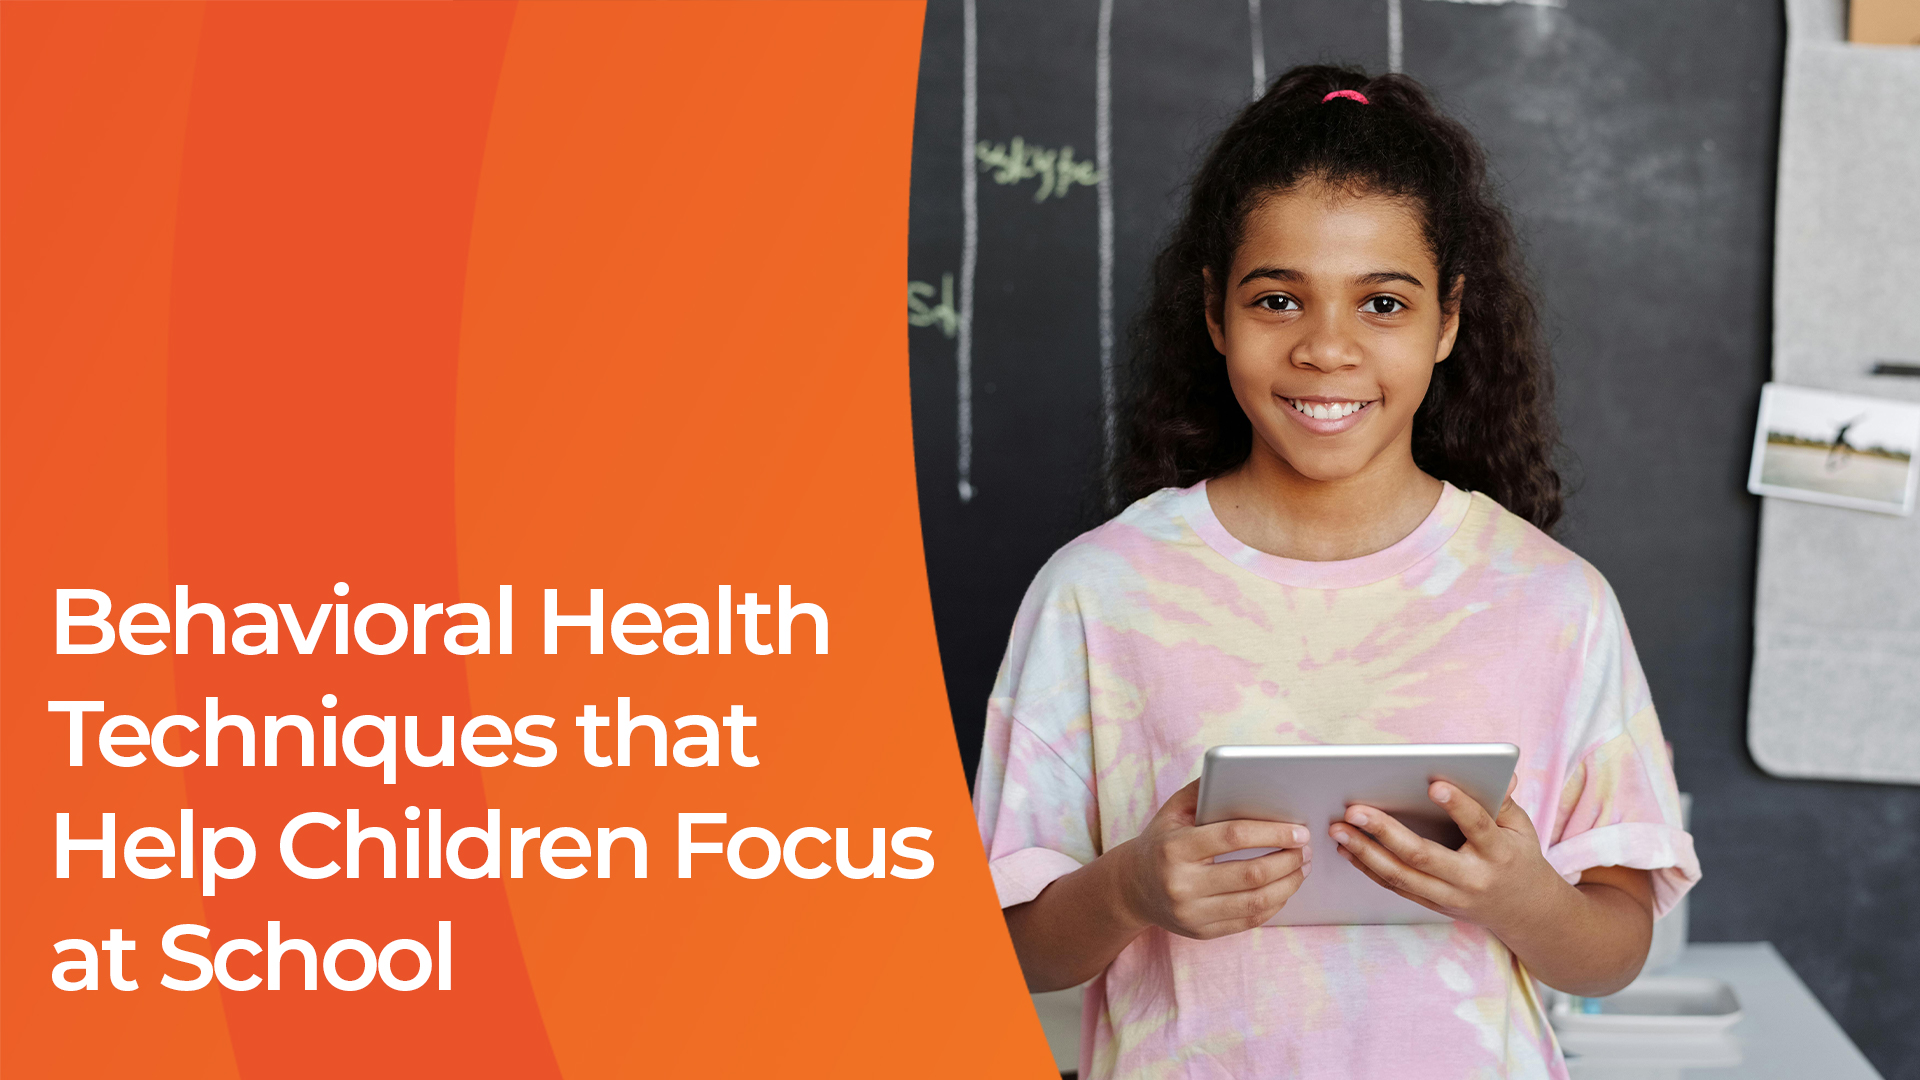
pixel 1325 347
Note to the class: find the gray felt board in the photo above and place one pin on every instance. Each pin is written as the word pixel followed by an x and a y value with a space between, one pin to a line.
pixel 1836 668
pixel 1636 142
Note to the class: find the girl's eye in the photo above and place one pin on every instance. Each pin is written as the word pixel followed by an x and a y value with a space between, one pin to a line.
pixel 1382 305
pixel 1277 302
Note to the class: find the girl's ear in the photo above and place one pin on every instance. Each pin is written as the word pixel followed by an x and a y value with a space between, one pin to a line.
pixel 1450 323
pixel 1216 314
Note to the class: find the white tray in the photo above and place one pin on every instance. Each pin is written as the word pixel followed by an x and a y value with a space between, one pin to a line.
pixel 1660 1005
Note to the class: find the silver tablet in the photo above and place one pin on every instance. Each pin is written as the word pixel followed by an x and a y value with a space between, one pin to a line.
pixel 1314 785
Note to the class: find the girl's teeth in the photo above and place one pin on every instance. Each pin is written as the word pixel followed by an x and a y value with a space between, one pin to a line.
pixel 1328 412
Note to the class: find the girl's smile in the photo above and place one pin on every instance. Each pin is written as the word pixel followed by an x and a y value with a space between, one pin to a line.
pixel 1327 416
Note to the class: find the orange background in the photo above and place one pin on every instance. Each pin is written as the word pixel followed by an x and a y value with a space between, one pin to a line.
pixel 430 299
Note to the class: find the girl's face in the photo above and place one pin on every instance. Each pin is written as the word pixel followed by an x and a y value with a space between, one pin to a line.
pixel 1331 319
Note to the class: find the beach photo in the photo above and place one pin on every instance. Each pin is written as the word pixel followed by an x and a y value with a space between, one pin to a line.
pixel 1838 449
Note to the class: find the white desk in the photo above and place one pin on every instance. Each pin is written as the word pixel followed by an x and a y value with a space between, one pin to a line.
pixel 1783 1032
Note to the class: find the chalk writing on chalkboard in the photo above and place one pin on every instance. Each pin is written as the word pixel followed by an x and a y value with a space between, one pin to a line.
pixel 942 314
pixel 1019 160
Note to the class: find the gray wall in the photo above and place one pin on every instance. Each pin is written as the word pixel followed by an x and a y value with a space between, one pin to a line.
pixel 1636 140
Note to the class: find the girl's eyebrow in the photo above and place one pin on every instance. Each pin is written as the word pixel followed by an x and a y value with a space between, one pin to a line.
pixel 1277 273
pixel 1381 277
pixel 1378 277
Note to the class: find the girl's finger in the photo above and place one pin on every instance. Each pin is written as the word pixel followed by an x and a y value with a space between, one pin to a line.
pixel 1240 875
pixel 1206 841
pixel 1388 870
pixel 1409 847
pixel 1181 804
pixel 1473 819
pixel 1375 878
pixel 1513 817
pixel 1234 912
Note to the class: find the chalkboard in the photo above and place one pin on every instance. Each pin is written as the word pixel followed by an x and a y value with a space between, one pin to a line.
pixel 1636 141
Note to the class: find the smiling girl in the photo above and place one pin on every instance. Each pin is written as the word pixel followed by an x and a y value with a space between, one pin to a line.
pixel 1339 442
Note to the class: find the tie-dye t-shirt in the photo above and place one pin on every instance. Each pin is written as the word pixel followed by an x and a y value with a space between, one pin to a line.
pixel 1157 635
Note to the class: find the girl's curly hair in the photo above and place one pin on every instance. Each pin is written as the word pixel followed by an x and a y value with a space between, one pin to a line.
pixel 1487 422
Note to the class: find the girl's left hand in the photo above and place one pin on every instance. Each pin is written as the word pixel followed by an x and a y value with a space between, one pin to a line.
pixel 1499 878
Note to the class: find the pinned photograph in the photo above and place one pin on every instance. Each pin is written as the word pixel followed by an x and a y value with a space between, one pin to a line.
pixel 1838 449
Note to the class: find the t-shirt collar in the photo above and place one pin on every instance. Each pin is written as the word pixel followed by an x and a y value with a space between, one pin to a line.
pixel 1428 537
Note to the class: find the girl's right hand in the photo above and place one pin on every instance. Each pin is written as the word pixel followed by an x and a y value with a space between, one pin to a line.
pixel 1169 878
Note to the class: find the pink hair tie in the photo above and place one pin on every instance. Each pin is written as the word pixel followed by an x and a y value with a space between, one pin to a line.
pixel 1351 95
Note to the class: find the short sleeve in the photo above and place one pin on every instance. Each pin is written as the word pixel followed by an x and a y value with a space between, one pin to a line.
pixel 1620 805
pixel 1034 794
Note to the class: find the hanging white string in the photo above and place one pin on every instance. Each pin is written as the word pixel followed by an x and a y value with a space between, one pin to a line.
pixel 1259 49
pixel 1395 37
pixel 969 240
pixel 1103 160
